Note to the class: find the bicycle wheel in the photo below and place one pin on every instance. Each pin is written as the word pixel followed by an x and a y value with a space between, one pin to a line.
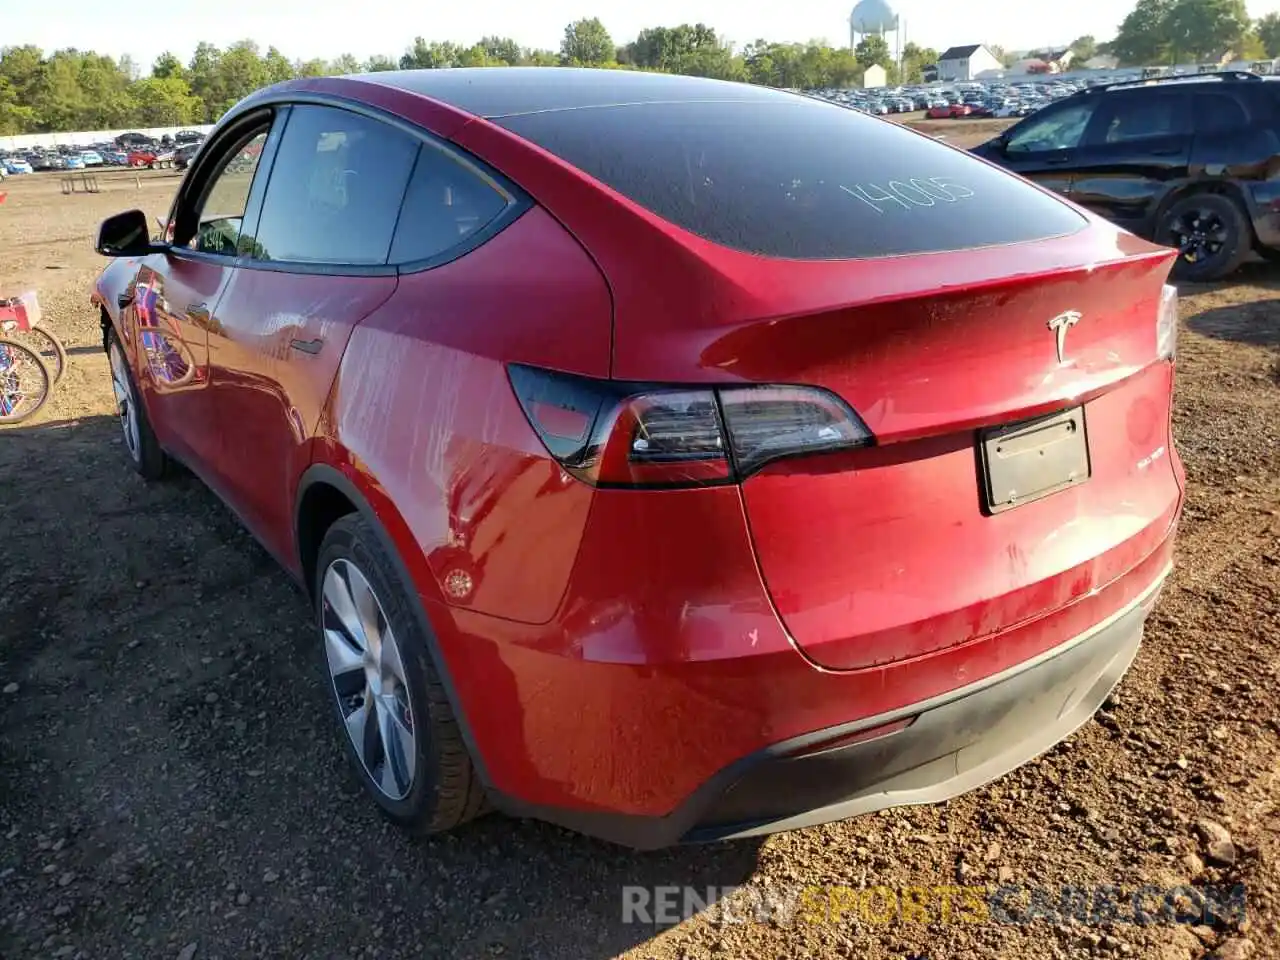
pixel 45 342
pixel 25 382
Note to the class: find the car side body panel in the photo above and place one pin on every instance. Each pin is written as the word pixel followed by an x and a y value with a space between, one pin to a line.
pixel 424 408
pixel 275 344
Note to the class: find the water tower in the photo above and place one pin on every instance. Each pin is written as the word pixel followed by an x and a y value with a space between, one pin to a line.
pixel 878 18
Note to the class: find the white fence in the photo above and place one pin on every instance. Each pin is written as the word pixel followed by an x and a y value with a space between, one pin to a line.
pixel 28 141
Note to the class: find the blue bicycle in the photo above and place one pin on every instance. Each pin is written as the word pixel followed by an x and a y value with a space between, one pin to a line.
pixel 25 382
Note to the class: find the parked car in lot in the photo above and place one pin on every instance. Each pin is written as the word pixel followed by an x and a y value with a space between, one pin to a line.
pixel 1186 161
pixel 670 552
pixel 128 141
pixel 949 112
pixel 16 165
pixel 115 158
pixel 91 158
pixel 183 155
pixel 153 157
pixel 73 161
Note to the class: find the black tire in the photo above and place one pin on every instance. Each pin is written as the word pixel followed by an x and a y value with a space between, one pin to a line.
pixel 144 450
pixel 445 790
pixel 1212 233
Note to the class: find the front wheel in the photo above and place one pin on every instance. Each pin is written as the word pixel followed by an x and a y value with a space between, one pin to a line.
pixel 1210 233
pixel 140 440
pixel 396 722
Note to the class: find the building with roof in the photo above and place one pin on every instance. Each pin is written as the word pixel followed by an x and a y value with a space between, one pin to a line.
pixel 965 63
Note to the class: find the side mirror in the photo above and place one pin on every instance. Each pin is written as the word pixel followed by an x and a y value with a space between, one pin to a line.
pixel 125 235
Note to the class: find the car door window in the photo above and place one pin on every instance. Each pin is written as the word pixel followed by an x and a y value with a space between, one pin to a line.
pixel 1218 113
pixel 1059 129
pixel 335 190
pixel 445 204
pixel 1125 119
pixel 219 214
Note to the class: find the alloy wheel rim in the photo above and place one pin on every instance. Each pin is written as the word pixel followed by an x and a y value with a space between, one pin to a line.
pixel 126 409
pixel 1200 235
pixel 367 674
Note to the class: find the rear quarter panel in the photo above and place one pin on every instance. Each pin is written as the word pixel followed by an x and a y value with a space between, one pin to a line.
pixel 423 410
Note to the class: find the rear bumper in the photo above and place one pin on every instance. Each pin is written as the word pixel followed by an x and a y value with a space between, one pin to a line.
pixel 951 743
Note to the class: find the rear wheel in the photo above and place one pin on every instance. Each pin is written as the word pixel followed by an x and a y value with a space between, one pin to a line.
pixel 140 440
pixel 1211 234
pixel 397 726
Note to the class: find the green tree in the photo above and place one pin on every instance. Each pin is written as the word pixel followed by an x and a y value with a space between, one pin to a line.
pixel 1083 48
pixel 873 49
pixel 1269 33
pixel 21 66
pixel 430 56
pixel 164 102
pixel 242 71
pixel 692 49
pixel 541 58
pixel 379 64
pixel 1205 29
pixel 343 65
pixel 1251 47
pixel 1143 36
pixel 914 59
pixel 167 65
pixel 587 43
pixel 277 66
pixel 205 76
pixel 314 67
pixel 14 116
pixel 501 50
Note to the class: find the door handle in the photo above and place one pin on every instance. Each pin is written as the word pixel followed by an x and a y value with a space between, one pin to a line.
pixel 1166 152
pixel 308 346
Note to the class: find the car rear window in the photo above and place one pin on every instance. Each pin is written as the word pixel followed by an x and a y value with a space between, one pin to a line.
pixel 797 178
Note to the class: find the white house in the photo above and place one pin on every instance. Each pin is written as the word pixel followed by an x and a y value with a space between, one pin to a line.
pixel 965 63
pixel 875 76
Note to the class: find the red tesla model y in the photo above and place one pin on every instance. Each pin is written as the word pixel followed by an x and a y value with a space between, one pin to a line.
pixel 666 458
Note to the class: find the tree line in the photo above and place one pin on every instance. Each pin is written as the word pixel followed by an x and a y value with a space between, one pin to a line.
pixel 82 90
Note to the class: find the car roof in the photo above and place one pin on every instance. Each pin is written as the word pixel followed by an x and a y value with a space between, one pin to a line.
pixel 494 92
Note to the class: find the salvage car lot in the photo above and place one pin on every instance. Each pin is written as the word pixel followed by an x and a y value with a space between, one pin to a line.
pixel 168 769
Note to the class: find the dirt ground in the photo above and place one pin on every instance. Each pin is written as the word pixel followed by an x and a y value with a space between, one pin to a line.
pixel 170 785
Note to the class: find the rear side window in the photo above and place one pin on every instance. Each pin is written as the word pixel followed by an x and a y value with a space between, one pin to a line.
pixel 1126 118
pixel 446 203
pixel 796 178
pixel 335 188
pixel 1218 113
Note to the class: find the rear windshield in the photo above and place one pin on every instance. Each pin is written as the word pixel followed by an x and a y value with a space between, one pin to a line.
pixel 797 178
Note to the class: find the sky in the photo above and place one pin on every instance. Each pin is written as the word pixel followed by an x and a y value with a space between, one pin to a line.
pixel 303 29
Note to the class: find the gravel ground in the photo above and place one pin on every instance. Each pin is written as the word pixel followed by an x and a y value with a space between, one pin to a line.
pixel 170 785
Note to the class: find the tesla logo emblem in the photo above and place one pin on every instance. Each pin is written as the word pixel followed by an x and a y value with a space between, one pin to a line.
pixel 1060 325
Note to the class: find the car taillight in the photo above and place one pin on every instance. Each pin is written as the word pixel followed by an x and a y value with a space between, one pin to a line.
pixel 1167 323
pixel 614 433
